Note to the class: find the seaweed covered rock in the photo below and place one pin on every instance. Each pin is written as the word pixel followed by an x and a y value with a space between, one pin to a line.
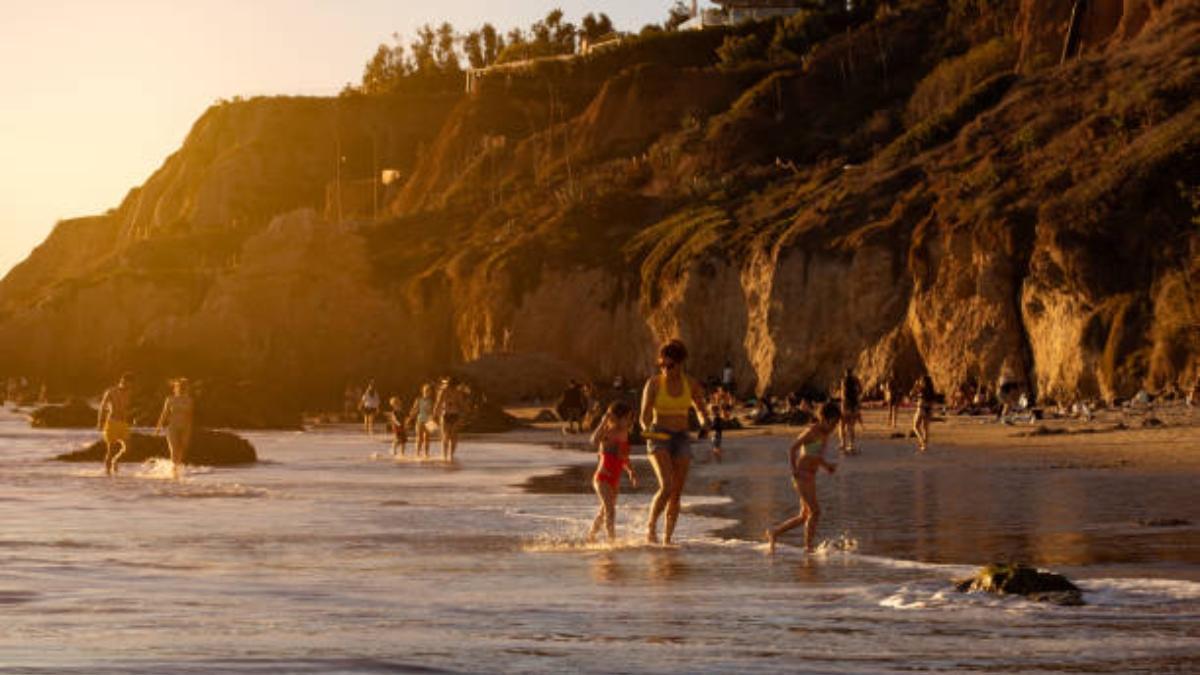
pixel 1023 580
pixel 209 448
pixel 74 414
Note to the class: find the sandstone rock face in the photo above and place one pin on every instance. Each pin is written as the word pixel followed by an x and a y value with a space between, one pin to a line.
pixel 1043 26
pixel 1039 227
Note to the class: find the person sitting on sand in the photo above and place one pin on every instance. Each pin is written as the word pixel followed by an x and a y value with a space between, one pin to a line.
pixel 666 400
pixel 399 430
pixel 178 414
pixel 611 439
pixel 923 395
pixel 422 413
pixel 369 405
pixel 808 454
pixel 851 394
pixel 113 420
pixel 449 409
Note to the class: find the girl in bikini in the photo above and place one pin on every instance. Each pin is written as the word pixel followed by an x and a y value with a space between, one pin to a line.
pixel 807 455
pixel 422 414
pixel 612 440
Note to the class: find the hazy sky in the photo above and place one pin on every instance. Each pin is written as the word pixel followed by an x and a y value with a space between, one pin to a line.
pixel 95 94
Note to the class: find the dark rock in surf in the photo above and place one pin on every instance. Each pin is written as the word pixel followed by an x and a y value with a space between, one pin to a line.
pixel 209 448
pixel 489 418
pixel 74 414
pixel 1023 580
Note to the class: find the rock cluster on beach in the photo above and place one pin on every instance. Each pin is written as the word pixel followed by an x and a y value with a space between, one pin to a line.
pixel 74 414
pixel 927 190
pixel 209 448
pixel 1023 580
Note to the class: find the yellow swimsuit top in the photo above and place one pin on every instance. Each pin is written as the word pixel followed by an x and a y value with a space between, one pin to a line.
pixel 666 404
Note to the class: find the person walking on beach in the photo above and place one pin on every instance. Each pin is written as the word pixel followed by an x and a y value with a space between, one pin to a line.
pixel 891 399
pixel 369 405
pixel 397 422
pixel 611 439
pixel 422 413
pixel 178 414
pixel 720 411
pixel 923 395
pixel 807 455
pixel 449 410
pixel 666 400
pixel 113 421
pixel 851 395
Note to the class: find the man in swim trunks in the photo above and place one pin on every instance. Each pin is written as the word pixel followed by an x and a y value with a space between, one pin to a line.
pixel 449 409
pixel 666 401
pixel 113 421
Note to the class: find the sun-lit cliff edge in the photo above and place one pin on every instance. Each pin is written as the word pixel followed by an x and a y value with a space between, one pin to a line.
pixel 922 190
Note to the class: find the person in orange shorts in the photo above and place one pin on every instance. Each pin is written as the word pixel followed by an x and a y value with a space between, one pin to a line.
pixel 114 420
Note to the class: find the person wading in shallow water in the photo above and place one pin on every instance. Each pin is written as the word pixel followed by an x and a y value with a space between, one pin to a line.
pixel 177 415
pixel 449 409
pixel 666 400
pixel 422 413
pixel 113 421
pixel 807 455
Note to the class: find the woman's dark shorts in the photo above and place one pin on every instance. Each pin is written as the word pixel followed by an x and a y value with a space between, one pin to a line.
pixel 678 443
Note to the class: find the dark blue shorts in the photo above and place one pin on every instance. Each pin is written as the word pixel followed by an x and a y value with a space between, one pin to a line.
pixel 678 443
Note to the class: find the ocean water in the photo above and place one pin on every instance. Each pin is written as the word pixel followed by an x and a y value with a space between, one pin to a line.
pixel 328 557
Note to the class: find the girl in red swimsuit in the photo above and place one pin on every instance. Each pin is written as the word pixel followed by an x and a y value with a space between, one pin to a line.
pixel 612 440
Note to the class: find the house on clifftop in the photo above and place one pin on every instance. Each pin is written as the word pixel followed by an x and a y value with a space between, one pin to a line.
pixel 733 12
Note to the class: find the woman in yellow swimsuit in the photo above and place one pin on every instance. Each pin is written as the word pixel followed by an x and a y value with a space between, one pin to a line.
pixel 666 401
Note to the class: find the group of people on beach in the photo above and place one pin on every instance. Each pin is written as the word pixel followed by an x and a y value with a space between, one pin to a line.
pixel 438 408
pixel 115 417
pixel 668 402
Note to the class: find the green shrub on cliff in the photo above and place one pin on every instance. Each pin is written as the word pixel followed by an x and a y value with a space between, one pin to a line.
pixel 953 77
pixel 941 127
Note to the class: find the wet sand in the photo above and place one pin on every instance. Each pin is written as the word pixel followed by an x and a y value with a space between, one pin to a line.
pixel 1087 498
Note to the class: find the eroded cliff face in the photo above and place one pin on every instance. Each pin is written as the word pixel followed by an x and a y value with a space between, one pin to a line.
pixel 1041 227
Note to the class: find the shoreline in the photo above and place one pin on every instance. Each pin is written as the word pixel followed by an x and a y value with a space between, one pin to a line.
pixel 1082 502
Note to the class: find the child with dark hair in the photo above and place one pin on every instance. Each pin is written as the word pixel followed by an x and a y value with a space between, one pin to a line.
pixel 807 455
pixel 612 440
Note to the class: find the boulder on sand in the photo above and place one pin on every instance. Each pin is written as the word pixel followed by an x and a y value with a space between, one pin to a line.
pixel 74 414
pixel 1023 580
pixel 209 448
pixel 488 418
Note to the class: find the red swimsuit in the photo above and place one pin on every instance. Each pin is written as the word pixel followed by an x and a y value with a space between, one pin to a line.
pixel 614 456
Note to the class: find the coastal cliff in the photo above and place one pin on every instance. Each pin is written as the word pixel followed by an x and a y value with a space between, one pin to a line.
pixel 919 190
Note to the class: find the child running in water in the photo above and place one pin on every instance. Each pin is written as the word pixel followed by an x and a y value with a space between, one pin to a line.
pixel 612 440
pixel 805 461
pixel 399 430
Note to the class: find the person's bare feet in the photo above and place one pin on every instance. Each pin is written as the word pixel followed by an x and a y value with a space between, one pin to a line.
pixel 651 537
pixel 770 542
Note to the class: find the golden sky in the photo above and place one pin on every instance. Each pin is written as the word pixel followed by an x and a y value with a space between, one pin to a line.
pixel 96 93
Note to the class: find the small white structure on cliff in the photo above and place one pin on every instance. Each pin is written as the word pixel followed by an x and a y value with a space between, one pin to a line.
pixel 733 12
